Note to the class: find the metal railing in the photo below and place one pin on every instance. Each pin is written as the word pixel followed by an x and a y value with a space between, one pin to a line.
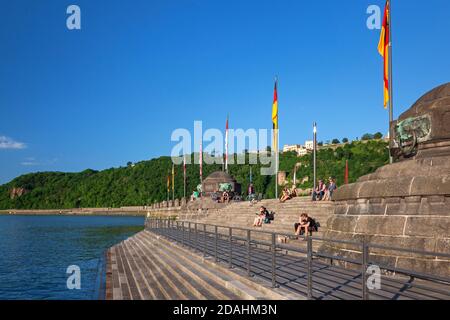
pixel 223 243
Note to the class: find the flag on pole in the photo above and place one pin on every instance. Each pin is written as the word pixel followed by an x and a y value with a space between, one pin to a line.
pixel 275 114
pixel 226 146
pixel 275 134
pixel 173 182
pixel 383 49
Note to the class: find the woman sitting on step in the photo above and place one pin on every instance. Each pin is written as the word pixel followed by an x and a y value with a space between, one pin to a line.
pixel 305 225
pixel 285 196
pixel 260 218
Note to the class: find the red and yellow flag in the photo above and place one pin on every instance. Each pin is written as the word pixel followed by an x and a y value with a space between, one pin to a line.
pixel 275 108
pixel 275 119
pixel 383 49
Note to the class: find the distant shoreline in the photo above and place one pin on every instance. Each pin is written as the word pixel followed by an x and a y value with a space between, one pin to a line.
pixel 135 211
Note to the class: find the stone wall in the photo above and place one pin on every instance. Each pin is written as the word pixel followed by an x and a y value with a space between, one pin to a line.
pixel 416 223
pixel 183 209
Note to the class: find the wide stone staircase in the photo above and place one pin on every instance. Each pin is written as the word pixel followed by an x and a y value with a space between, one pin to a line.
pixel 148 267
pixel 242 215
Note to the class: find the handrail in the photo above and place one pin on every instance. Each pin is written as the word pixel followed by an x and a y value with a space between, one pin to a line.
pixel 356 243
pixel 210 247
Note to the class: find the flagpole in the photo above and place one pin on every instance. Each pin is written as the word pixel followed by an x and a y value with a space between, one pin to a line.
pixel 168 188
pixel 314 155
pixel 276 144
pixel 173 183
pixel 391 96
pixel 226 146
pixel 201 169
pixel 184 176
pixel 276 161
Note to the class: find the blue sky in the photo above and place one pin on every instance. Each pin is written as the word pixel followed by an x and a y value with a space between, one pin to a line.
pixel 115 90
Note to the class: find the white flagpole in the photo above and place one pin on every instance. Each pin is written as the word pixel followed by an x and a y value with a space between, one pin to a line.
pixel 201 169
pixel 184 176
pixel 226 147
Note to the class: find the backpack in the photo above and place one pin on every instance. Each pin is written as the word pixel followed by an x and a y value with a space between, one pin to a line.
pixel 270 216
pixel 314 225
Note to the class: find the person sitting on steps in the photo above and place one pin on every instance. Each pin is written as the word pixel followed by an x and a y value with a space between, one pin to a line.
pixel 293 192
pixel 225 197
pixel 306 225
pixel 251 192
pixel 319 193
pixel 261 217
pixel 285 195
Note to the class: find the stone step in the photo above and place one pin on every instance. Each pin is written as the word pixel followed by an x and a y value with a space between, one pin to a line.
pixel 238 284
pixel 206 286
pixel 141 270
pixel 243 214
pixel 146 266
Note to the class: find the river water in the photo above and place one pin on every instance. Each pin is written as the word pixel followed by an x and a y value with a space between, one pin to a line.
pixel 35 252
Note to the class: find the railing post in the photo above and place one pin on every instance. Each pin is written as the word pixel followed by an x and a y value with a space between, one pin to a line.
pixel 204 240
pixel 215 244
pixel 182 233
pixel 364 266
pixel 189 234
pixel 310 267
pixel 249 273
pixel 274 262
pixel 196 236
pixel 230 236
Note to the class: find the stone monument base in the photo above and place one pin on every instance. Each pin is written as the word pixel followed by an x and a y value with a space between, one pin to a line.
pixel 405 204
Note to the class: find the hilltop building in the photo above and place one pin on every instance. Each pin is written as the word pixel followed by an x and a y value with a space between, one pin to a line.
pixel 299 149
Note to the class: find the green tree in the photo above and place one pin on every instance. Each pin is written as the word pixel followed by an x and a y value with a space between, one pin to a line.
pixel 378 135
pixel 335 141
pixel 146 182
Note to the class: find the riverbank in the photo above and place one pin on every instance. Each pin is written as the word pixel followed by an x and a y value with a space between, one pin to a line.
pixel 125 211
